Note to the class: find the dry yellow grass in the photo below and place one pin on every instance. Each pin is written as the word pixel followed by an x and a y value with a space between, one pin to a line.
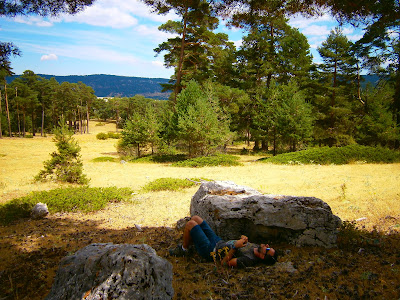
pixel 352 191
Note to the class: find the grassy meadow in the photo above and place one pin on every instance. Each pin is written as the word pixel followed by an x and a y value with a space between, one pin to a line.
pixel 353 191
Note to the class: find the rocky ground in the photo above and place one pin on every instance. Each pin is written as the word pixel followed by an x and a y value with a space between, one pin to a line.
pixel 366 264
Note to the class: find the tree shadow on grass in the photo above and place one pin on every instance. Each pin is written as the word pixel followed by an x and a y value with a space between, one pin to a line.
pixel 31 250
pixel 364 265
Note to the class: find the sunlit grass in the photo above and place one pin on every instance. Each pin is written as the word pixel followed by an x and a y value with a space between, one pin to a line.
pixel 353 191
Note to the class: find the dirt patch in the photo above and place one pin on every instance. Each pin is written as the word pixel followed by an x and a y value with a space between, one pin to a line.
pixel 365 265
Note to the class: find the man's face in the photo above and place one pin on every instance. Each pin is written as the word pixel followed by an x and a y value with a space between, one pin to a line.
pixel 264 250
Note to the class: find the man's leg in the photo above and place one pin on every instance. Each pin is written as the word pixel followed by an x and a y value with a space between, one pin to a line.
pixel 187 238
pixel 201 235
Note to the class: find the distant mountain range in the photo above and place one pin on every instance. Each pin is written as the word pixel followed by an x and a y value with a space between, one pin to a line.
pixel 124 86
pixel 115 86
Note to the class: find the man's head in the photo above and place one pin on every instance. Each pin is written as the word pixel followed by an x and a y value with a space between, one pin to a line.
pixel 268 255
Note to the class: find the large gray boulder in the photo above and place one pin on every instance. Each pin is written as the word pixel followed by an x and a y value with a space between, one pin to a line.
pixel 108 271
pixel 233 210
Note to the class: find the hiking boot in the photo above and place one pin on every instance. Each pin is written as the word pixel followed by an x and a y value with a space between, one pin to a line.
pixel 178 251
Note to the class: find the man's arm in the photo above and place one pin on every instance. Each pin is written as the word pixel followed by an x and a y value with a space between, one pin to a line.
pixel 228 259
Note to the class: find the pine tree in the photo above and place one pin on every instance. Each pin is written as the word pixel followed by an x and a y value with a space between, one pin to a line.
pixel 197 122
pixel 334 101
pixel 64 165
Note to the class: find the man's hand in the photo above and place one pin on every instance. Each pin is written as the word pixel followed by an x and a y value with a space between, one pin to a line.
pixel 242 242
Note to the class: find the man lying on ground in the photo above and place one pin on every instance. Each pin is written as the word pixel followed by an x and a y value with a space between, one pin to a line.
pixel 234 253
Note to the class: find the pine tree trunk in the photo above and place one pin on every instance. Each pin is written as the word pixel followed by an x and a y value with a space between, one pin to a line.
pixel 23 123
pixel 8 111
pixel 19 121
pixel 42 127
pixel 33 124
pixel 1 111
pixel 396 105
pixel 180 65
pixel 87 118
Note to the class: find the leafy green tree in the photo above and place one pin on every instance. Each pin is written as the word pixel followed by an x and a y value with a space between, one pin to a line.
pixel 86 97
pixel 197 121
pixel 183 9
pixel 102 109
pixel 47 90
pixel 64 165
pixel 135 134
pixel 377 125
pixel 196 52
pixel 25 103
pixel 6 51
pixel 289 116
pixel 337 91
pixel 12 8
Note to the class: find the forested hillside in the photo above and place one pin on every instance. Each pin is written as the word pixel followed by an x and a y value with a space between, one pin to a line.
pixel 268 90
pixel 114 86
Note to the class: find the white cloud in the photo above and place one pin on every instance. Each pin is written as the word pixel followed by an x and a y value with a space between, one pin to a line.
pixel 33 20
pixel 105 17
pixel 85 52
pixel 49 57
pixel 238 43
pixel 301 22
pixel 157 63
pixel 153 33
pixel 355 37
pixel 117 14
pixel 316 30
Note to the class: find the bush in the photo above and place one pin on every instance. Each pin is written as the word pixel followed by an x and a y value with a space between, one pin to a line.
pixel 114 135
pixel 165 158
pixel 224 160
pixel 170 184
pixel 337 156
pixel 102 136
pixel 83 199
pixel 105 159
pixel 64 165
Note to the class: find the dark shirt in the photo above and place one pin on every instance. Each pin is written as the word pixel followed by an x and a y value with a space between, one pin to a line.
pixel 245 255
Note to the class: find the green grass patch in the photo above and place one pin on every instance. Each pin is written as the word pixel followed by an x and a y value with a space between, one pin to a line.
pixel 171 184
pixel 166 158
pixel 84 199
pixel 113 135
pixel 102 136
pixel 109 135
pixel 105 159
pixel 337 156
pixel 219 160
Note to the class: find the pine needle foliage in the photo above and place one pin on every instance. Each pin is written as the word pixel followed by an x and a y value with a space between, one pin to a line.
pixel 65 165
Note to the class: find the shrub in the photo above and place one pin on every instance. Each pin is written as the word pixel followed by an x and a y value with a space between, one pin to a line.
pixel 170 184
pixel 165 158
pixel 72 199
pixel 105 159
pixel 64 165
pixel 113 135
pixel 224 160
pixel 102 136
pixel 337 156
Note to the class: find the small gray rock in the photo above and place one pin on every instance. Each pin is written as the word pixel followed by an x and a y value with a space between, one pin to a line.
pixel 39 211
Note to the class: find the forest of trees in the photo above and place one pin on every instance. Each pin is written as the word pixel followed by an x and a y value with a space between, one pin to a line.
pixel 268 90
pixel 114 86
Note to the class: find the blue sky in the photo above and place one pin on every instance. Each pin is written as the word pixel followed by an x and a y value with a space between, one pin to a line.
pixel 115 37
